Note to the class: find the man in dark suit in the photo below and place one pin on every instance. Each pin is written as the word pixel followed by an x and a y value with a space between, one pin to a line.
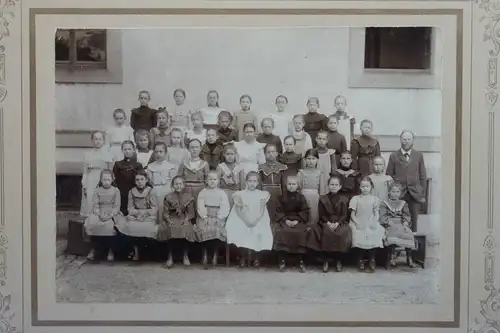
pixel 406 166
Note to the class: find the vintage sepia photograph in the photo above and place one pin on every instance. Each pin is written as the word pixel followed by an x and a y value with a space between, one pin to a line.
pixel 297 165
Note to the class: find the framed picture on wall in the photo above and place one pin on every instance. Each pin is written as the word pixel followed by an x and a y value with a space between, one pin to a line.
pixel 232 166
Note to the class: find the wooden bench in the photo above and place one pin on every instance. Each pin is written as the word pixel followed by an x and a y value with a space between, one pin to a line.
pixel 420 251
pixel 78 243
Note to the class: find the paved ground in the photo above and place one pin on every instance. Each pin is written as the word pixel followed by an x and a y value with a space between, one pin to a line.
pixel 79 281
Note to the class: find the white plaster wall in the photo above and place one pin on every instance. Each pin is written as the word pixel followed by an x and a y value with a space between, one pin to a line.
pixel 261 62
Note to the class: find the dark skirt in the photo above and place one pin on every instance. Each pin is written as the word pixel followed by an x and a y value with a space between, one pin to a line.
pixel 290 240
pixel 365 165
pixel 324 240
pixel 275 192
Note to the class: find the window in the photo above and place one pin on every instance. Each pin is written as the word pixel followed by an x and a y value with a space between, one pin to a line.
pixel 88 56
pixel 398 48
pixel 78 49
pixel 393 57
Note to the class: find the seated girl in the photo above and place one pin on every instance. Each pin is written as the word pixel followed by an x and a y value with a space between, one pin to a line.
pixel 176 226
pixel 248 224
pixel 333 232
pixel 212 208
pixel 105 214
pixel 291 230
pixel 367 233
pixel 141 222
pixel 395 217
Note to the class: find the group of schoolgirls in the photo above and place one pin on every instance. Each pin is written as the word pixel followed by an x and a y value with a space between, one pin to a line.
pixel 175 177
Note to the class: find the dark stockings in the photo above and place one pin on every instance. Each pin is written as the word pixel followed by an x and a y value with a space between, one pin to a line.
pixel 103 246
pixel 210 247
pixel 371 253
pixel 175 244
pixel 282 256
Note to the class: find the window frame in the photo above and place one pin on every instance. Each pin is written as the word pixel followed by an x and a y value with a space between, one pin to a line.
pixel 361 77
pixel 112 73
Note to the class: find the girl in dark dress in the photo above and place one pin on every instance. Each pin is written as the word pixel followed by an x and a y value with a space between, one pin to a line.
pixel 267 136
pixel 272 176
pixel 336 140
pixel 176 225
pixel 333 230
pixel 350 178
pixel 224 130
pixel 212 150
pixel 314 121
pixel 291 224
pixel 290 158
pixel 364 148
pixel 124 172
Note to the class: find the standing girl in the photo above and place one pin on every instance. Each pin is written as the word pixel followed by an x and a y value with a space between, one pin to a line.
pixel 230 172
pixel 161 133
pixel 100 225
pixel 212 110
pixel 197 132
pixel 118 133
pixel 224 130
pixel 250 152
pixel 314 121
pixel 395 217
pixel 141 222
pixel 290 158
pixel 176 225
pixel 291 224
pixel 124 172
pixel 346 122
pixel 160 173
pixel 144 152
pixel 211 151
pixel 333 231
pixel 267 136
pixel 336 140
pixel 303 140
pixel 282 119
pixel 364 148
pixel 176 153
pixel 194 170
pixel 309 182
pixel 367 233
pixel 272 175
pixel 244 116
pixel 181 114
pixel 95 162
pixel 248 224
pixel 380 180
pixel 327 162
pixel 350 178
pixel 212 208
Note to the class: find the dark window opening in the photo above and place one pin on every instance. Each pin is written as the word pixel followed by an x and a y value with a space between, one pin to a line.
pixel 68 192
pixel 404 48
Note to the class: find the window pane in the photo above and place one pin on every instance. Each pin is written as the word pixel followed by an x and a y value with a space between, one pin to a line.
pixel 398 48
pixel 90 45
pixel 62 45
